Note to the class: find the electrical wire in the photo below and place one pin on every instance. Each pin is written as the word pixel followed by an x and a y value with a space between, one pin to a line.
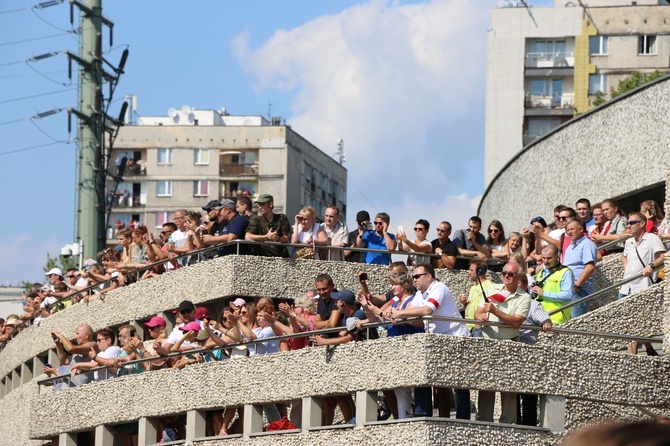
pixel 11 76
pixel 9 152
pixel 32 120
pixel 16 42
pixel 32 9
pixel 14 10
pixel 47 77
pixel 36 96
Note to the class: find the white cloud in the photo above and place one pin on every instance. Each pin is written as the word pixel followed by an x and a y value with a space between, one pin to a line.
pixel 388 79
pixel 23 258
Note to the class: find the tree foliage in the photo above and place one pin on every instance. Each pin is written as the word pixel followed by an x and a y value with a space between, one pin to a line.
pixel 633 81
pixel 53 262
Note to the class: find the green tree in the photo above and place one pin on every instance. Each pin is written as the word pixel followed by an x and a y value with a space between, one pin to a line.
pixel 599 98
pixel 633 81
pixel 53 262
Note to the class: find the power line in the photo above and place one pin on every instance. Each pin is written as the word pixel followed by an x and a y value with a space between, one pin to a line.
pixel 14 10
pixel 37 38
pixel 10 76
pixel 36 96
pixel 9 152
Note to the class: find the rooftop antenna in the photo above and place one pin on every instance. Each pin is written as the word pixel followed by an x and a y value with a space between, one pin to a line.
pixel 339 153
pixel 527 6
pixel 270 104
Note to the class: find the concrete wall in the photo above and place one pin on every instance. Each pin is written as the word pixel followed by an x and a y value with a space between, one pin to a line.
pixel 614 150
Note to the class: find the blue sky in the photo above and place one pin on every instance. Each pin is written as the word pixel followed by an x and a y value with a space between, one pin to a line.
pixel 402 83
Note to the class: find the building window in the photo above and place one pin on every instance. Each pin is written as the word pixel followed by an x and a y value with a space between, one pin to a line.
pixel 646 45
pixel 164 156
pixel 201 188
pixel 598 45
pixel 162 218
pixel 597 82
pixel 201 157
pixel 164 188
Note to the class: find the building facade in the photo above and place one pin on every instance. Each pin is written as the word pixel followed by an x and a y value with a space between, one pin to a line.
pixel 546 65
pixel 191 156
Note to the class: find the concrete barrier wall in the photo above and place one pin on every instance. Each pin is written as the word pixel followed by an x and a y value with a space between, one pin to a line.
pixel 410 361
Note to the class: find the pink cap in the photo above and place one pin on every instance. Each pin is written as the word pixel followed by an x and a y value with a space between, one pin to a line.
pixel 155 322
pixel 239 302
pixel 191 326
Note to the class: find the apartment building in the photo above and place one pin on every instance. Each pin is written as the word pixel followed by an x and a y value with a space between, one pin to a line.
pixel 546 64
pixel 191 156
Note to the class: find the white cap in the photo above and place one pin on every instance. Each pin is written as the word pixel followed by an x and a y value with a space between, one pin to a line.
pixel 54 271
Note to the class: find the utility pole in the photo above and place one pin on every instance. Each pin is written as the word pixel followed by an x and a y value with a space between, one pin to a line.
pixel 91 111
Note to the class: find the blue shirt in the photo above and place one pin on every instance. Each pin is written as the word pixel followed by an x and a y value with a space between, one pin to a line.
pixel 238 226
pixel 373 240
pixel 577 255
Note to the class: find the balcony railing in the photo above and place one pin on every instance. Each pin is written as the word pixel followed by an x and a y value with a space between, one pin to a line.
pixel 550 60
pixel 239 169
pixel 124 201
pixel 549 101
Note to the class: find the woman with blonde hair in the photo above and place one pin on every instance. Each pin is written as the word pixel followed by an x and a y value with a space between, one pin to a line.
pixel 307 231
pixel 654 214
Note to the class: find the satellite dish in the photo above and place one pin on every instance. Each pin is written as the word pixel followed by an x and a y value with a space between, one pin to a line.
pixel 186 109
pixel 172 112
pixel 191 118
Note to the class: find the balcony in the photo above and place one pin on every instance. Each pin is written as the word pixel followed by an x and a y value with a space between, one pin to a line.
pixel 548 105
pixel 125 200
pixel 550 60
pixel 233 169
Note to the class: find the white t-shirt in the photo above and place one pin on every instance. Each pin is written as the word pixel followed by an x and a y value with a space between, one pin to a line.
pixel 109 353
pixel 176 334
pixel 649 245
pixel 179 238
pixel 439 299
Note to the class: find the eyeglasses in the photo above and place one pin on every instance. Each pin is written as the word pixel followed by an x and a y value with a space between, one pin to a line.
pixel 536 219
pixel 441 230
pixel 597 215
pixel 419 229
pixel 561 218
pixel 154 328
pixel 379 223
pixel 633 222
pixel 243 312
pixel 70 277
pixel 224 319
pixel 185 311
pixel 416 276
pixel 508 274
pixel 494 231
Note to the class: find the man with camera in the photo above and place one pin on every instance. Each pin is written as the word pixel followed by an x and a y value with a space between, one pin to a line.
pixel 554 285
pixel 471 243
pixel 378 238
pixel 269 227
pixel 363 222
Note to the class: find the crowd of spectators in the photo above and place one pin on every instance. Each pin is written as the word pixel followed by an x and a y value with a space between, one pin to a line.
pixel 543 267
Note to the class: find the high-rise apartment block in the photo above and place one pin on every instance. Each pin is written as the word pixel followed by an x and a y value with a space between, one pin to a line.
pixel 546 64
pixel 191 156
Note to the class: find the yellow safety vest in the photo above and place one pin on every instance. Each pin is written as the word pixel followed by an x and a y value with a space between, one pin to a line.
pixel 553 284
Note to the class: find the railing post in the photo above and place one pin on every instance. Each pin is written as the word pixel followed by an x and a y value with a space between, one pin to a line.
pixel 552 412
pixel 27 371
pixel 312 407
pixel 104 436
pixel 196 424
pixel 253 419
pixel 366 407
pixel 148 431
pixel 67 439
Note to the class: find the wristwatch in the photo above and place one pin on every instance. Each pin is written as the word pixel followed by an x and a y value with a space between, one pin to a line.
pixel 652 265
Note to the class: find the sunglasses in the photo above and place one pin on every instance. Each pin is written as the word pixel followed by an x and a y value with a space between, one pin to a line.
pixel 561 218
pixel 633 222
pixel 70 277
pixel 379 223
pixel 507 274
pixel 494 231
pixel 186 311
pixel 419 229
pixel 536 219
pixel 441 230
pixel 416 276
pixel 224 319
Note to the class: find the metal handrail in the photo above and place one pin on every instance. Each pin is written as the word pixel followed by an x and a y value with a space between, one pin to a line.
pixel 364 326
pixel 601 292
pixel 613 243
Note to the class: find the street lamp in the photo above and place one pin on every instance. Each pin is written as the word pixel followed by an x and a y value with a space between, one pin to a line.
pixel 74 249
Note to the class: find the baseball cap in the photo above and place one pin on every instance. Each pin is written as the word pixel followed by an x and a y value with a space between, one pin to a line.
pixel 239 302
pixel 186 305
pixel 363 216
pixel 191 326
pixel 264 198
pixel 212 204
pixel 346 296
pixel 54 271
pixel 228 203
pixel 201 312
pixel 156 321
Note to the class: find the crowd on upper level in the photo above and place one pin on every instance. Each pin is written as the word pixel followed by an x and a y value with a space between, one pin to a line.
pixel 543 268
